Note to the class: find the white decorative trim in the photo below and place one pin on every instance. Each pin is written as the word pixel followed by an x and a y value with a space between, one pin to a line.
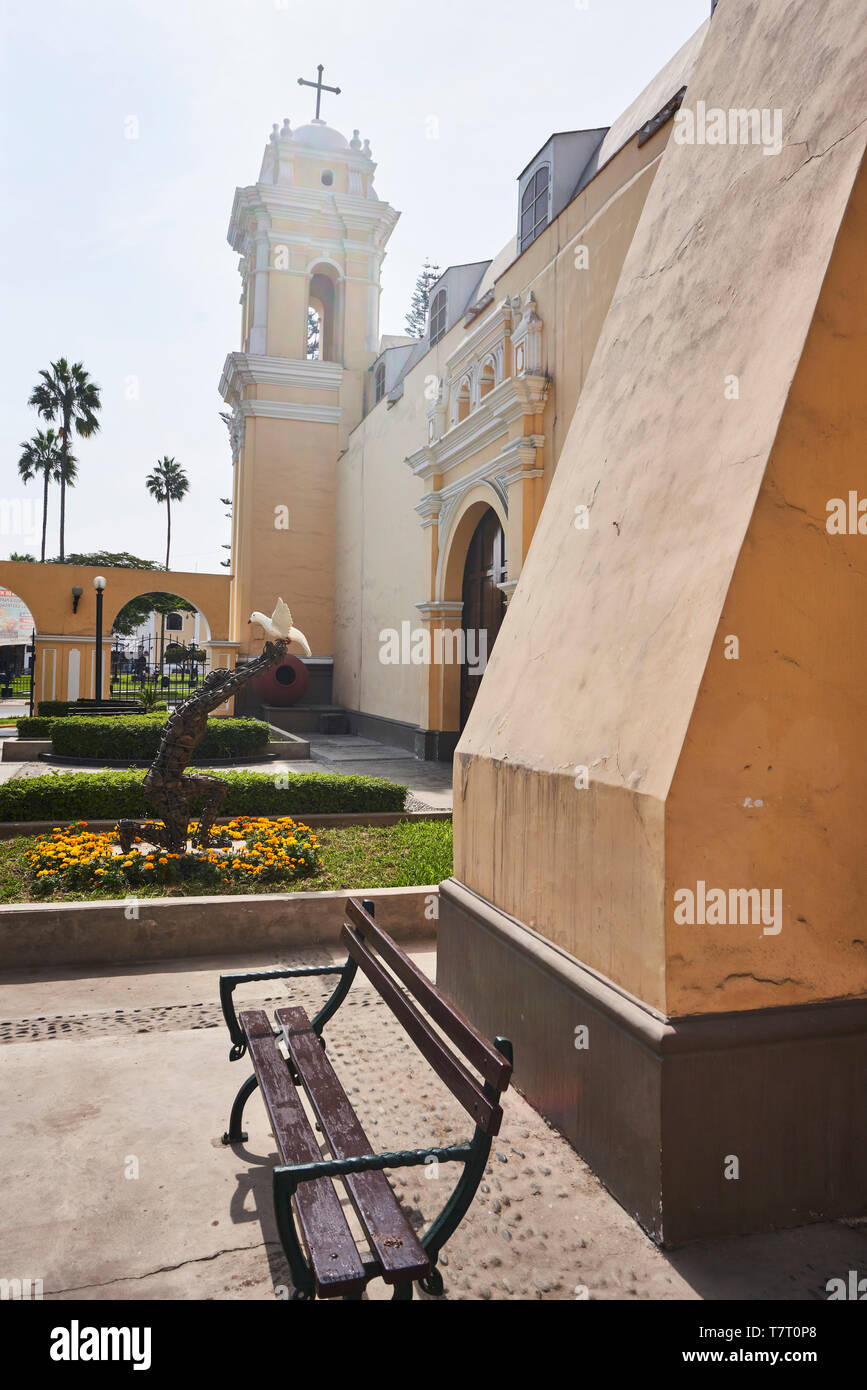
pixel 500 318
pixel 292 202
pixel 483 426
pixel 432 609
pixel 73 674
pixel 258 369
pixel 326 260
pixel 527 337
pixel 292 410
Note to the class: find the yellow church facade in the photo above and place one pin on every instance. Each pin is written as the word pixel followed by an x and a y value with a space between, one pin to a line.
pixel 369 476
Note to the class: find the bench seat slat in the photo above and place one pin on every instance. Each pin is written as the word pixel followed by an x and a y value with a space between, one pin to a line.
pixel 336 1263
pixel 392 1238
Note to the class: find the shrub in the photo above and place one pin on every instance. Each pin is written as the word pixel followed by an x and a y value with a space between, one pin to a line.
pixel 117 794
pixel 35 726
pixel 138 736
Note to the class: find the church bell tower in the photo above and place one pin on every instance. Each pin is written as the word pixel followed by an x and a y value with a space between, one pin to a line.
pixel 311 235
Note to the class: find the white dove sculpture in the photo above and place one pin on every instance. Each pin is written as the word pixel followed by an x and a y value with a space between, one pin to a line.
pixel 279 626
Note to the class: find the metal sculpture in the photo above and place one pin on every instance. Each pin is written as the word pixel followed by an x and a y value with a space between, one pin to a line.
pixel 167 786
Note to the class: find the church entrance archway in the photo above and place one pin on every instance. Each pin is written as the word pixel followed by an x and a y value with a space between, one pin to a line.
pixel 483 602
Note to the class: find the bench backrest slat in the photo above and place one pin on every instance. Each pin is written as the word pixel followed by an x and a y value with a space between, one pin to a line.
pixel 474 1045
pixel 463 1086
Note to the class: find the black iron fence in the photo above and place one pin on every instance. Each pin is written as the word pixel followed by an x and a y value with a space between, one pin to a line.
pixel 143 664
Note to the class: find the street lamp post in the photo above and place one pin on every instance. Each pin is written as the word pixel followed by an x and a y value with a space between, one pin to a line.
pixel 99 586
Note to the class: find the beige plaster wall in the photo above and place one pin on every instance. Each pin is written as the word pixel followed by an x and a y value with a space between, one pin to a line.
pixel 291 464
pixel 607 636
pixel 379 584
pixel 379 559
pixel 783 725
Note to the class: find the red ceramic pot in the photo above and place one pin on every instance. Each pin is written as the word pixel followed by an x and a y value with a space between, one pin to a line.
pixel 285 684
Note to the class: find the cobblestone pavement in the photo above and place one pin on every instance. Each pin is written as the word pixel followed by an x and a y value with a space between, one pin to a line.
pixel 98 1072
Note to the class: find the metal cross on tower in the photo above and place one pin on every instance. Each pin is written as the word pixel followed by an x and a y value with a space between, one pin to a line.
pixel 320 87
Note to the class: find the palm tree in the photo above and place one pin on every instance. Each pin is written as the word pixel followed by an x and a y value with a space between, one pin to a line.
pixel 67 395
pixel 41 455
pixel 168 483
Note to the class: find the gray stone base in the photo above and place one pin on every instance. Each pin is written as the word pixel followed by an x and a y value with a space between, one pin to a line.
pixel 431 745
pixel 661 1108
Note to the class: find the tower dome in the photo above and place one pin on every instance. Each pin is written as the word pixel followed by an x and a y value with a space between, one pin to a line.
pixel 320 136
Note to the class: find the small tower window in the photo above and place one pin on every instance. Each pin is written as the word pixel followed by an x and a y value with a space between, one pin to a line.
pixel 463 401
pixel 534 206
pixel 379 383
pixel 174 623
pixel 437 316
pixel 327 177
pixel 487 379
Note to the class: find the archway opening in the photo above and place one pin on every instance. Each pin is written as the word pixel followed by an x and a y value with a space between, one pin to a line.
pixel 483 603
pixel 16 635
pixel 322 302
pixel 158 644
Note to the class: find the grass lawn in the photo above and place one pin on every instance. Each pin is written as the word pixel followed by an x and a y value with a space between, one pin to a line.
pixel 354 856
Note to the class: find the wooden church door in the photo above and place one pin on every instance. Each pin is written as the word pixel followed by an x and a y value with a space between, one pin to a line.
pixel 483 603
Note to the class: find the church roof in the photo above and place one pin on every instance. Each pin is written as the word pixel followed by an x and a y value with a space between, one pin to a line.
pixel 670 78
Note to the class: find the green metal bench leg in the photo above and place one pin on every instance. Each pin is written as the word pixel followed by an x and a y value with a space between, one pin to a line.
pixel 235 1134
pixel 299 1269
pixel 458 1204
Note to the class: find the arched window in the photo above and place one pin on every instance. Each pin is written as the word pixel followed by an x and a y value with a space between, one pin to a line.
pixel 534 206
pixel 437 316
pixel 463 401
pixel 174 623
pixel 487 379
pixel 321 307
pixel 379 383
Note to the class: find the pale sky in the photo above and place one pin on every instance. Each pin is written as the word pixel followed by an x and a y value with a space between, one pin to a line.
pixel 115 249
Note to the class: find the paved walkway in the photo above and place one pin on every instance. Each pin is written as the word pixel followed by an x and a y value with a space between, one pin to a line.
pixel 115 1088
pixel 430 783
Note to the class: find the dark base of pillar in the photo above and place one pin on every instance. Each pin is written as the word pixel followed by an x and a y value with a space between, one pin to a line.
pixel 667 1110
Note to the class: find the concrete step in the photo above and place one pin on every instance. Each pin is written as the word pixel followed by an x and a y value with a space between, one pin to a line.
pixel 307 719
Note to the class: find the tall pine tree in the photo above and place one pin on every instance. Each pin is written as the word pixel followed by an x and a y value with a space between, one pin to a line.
pixel 416 319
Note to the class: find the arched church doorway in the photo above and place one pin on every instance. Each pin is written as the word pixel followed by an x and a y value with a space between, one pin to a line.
pixel 483 603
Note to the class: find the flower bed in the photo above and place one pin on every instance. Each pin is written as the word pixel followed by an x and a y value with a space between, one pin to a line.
pixel 80 859
pixel 352 857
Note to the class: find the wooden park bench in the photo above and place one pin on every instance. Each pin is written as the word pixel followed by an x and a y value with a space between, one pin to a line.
pixel 104 707
pixel 326 1260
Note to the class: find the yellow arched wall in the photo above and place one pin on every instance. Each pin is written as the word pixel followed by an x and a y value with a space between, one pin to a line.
pixel 454 552
pixel 66 641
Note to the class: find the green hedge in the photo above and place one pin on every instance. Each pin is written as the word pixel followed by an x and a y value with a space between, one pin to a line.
pixel 36 726
pixel 138 736
pixel 112 795
pixel 57 708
